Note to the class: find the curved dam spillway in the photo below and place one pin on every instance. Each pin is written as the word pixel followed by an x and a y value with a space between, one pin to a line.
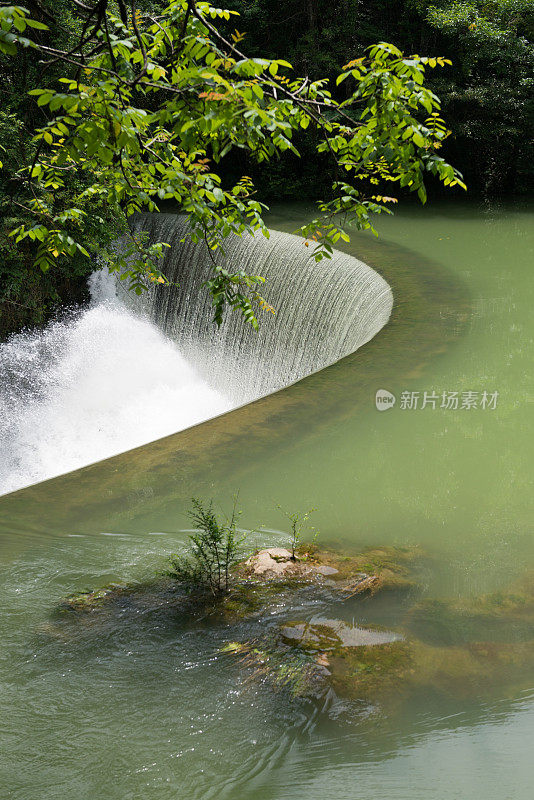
pixel 126 370
pixel 323 311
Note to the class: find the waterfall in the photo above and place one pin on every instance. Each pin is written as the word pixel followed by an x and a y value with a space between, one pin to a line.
pixel 127 370
pixel 323 311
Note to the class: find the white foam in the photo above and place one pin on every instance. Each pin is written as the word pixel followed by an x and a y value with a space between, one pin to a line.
pixel 128 370
pixel 90 387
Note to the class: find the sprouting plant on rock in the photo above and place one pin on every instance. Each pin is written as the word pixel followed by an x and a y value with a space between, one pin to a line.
pixel 298 522
pixel 215 548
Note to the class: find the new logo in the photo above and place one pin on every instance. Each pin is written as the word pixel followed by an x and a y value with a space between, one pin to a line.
pixel 384 400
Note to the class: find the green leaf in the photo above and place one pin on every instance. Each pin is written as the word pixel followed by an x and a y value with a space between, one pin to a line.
pixel 40 26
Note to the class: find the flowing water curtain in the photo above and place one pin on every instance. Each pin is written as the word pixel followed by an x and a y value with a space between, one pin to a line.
pixel 322 312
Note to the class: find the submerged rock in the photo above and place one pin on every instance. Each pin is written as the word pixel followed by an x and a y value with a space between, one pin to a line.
pixel 270 577
pixel 503 616
pixel 90 600
pixel 373 570
pixel 457 647
pixel 332 634
pixel 285 668
pixel 394 672
pixel 366 573
pixel 324 569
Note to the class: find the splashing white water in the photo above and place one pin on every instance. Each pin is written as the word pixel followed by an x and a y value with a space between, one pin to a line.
pixel 107 379
pixel 90 387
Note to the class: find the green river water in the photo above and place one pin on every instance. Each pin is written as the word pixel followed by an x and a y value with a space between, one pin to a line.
pixel 149 708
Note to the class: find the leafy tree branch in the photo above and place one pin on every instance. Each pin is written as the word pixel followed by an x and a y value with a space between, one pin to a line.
pixel 150 104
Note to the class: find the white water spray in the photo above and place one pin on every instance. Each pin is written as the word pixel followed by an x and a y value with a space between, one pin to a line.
pixel 125 372
pixel 90 387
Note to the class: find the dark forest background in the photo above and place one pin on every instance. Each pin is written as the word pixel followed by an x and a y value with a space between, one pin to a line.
pixel 487 95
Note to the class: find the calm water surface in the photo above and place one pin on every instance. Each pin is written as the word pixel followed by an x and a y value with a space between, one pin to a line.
pixel 147 707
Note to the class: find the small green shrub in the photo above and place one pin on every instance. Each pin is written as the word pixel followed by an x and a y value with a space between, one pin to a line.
pixel 215 548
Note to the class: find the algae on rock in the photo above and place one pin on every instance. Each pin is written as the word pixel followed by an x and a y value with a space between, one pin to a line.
pixel 453 647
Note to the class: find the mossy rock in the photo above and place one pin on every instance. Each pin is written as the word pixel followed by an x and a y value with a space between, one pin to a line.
pixel 115 604
pixel 249 597
pixel 371 673
pixel 393 672
pixel 298 655
pixel 368 572
pixel 306 636
pixel 373 570
pixel 91 600
pixel 506 616
pixel 458 648
pixel 386 674
pixel 284 668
